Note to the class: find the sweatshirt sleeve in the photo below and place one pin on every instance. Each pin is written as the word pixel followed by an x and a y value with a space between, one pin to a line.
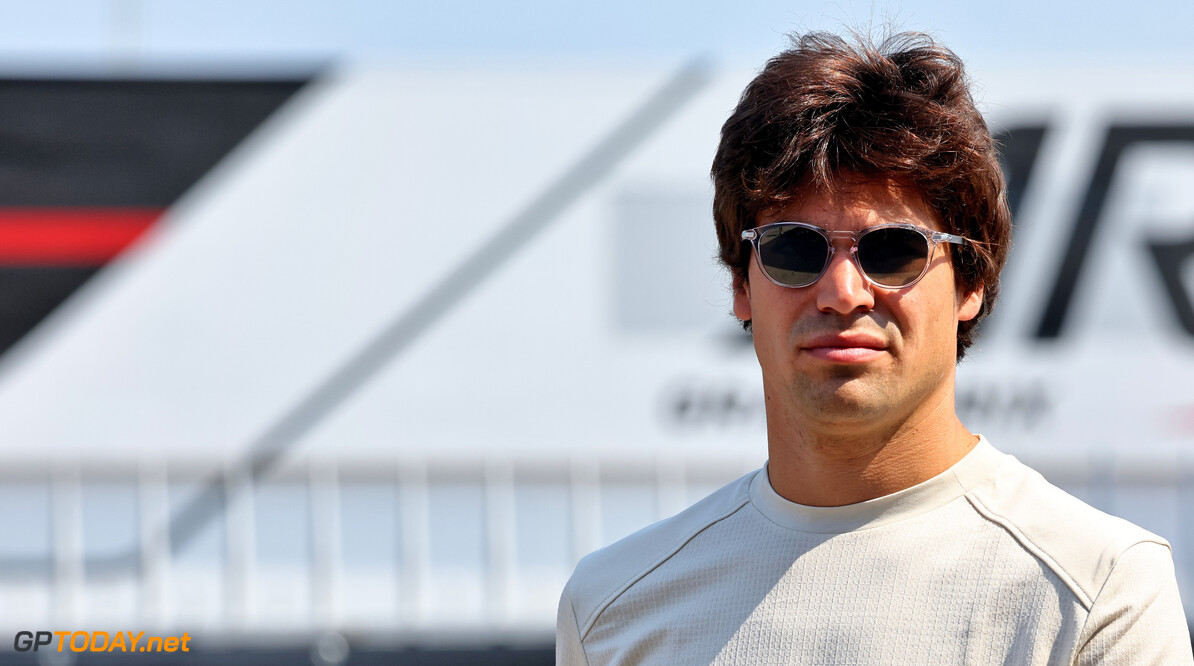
pixel 1137 617
pixel 569 650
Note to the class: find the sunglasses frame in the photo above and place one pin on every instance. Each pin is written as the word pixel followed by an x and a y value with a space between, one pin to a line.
pixel 932 238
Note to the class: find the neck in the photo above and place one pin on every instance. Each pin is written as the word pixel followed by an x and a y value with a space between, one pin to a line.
pixel 834 464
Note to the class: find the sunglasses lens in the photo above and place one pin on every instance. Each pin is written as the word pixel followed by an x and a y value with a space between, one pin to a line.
pixel 793 256
pixel 893 257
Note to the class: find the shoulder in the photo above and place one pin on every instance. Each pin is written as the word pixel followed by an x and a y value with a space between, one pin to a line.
pixel 1138 615
pixel 1079 543
pixel 602 576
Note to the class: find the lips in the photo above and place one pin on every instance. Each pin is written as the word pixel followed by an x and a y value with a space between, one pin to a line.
pixel 845 347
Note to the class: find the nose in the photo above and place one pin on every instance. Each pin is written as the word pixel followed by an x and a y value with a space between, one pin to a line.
pixel 843 289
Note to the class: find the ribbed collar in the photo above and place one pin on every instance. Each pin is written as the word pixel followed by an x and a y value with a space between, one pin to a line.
pixel 921 498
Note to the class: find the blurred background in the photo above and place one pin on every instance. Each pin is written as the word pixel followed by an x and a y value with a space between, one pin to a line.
pixel 336 332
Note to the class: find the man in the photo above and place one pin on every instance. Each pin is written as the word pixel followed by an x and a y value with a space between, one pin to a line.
pixel 861 211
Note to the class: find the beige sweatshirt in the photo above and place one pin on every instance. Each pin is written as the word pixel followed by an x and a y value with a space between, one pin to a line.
pixel 986 563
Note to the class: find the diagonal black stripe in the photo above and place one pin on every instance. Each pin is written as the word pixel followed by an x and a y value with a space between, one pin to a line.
pixel 1019 149
pixel 267 449
pixel 1118 140
pixel 1170 258
pixel 28 294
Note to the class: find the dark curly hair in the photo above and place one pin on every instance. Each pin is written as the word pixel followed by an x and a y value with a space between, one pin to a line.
pixel 899 110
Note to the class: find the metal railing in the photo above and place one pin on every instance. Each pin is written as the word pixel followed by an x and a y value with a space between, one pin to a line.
pixel 415 550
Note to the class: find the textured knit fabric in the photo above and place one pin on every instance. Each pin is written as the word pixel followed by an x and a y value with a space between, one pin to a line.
pixel 986 563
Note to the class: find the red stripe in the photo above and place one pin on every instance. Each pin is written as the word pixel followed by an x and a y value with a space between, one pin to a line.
pixel 71 236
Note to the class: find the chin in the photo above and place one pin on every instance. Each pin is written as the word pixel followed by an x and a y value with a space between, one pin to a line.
pixel 845 399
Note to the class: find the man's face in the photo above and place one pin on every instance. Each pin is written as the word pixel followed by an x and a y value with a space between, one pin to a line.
pixel 843 351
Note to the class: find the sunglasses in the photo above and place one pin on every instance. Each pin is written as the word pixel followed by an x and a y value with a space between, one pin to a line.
pixel 893 256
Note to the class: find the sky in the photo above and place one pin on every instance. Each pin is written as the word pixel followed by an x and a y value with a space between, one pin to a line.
pixel 74 33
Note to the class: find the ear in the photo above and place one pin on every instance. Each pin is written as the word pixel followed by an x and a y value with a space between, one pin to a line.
pixel 742 299
pixel 970 304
